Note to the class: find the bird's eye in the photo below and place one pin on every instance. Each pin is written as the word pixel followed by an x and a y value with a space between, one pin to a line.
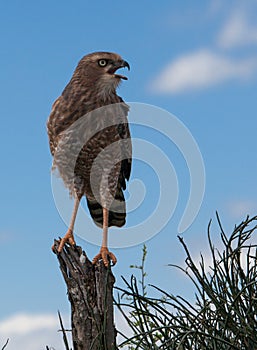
pixel 102 63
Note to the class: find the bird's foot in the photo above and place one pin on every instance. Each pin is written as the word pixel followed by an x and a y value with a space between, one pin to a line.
pixel 104 254
pixel 68 238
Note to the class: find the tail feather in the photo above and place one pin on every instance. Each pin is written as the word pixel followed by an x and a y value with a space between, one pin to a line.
pixel 117 211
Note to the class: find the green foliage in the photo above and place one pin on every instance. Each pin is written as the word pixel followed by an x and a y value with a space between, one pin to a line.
pixel 142 269
pixel 224 314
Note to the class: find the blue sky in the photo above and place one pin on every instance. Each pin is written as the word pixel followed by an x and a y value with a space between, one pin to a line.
pixel 197 60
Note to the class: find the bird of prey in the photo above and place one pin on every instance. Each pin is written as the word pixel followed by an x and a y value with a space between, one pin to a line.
pixel 103 163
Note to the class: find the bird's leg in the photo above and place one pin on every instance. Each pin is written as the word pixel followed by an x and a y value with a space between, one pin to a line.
pixel 69 238
pixel 104 251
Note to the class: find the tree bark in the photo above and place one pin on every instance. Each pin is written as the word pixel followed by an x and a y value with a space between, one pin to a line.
pixel 90 292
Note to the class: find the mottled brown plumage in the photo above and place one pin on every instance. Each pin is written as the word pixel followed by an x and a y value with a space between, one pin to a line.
pixel 90 141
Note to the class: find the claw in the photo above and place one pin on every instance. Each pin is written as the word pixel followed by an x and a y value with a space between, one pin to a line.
pixel 68 238
pixel 104 254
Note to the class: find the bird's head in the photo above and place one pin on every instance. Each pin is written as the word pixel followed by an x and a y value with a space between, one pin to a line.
pixel 100 68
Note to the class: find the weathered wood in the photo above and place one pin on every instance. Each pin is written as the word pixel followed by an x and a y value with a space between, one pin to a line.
pixel 90 292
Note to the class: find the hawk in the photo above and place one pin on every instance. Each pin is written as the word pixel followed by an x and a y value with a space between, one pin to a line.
pixel 89 113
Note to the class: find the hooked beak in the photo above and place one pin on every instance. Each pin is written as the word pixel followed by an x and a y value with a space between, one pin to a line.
pixel 125 64
pixel 116 66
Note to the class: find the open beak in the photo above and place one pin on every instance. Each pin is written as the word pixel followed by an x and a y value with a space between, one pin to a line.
pixel 117 65
pixel 125 64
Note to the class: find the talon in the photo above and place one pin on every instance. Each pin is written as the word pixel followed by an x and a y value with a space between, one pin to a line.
pixel 104 254
pixel 68 238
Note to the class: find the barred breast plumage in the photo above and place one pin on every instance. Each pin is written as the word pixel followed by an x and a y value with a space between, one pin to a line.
pixel 89 137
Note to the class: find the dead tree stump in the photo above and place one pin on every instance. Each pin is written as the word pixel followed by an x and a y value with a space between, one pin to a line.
pixel 90 292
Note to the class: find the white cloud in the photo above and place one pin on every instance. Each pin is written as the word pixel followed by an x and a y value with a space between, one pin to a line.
pixel 31 331
pixel 201 69
pixel 35 331
pixel 24 323
pixel 204 68
pixel 237 31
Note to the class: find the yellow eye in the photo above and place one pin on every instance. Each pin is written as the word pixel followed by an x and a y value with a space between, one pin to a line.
pixel 102 63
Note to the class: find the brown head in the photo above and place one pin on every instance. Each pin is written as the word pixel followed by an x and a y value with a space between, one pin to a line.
pixel 97 70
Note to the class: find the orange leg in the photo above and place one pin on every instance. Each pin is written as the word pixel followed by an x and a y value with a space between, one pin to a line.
pixel 69 238
pixel 104 251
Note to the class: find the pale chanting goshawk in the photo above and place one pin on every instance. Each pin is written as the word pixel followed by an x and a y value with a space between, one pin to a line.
pixel 90 141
